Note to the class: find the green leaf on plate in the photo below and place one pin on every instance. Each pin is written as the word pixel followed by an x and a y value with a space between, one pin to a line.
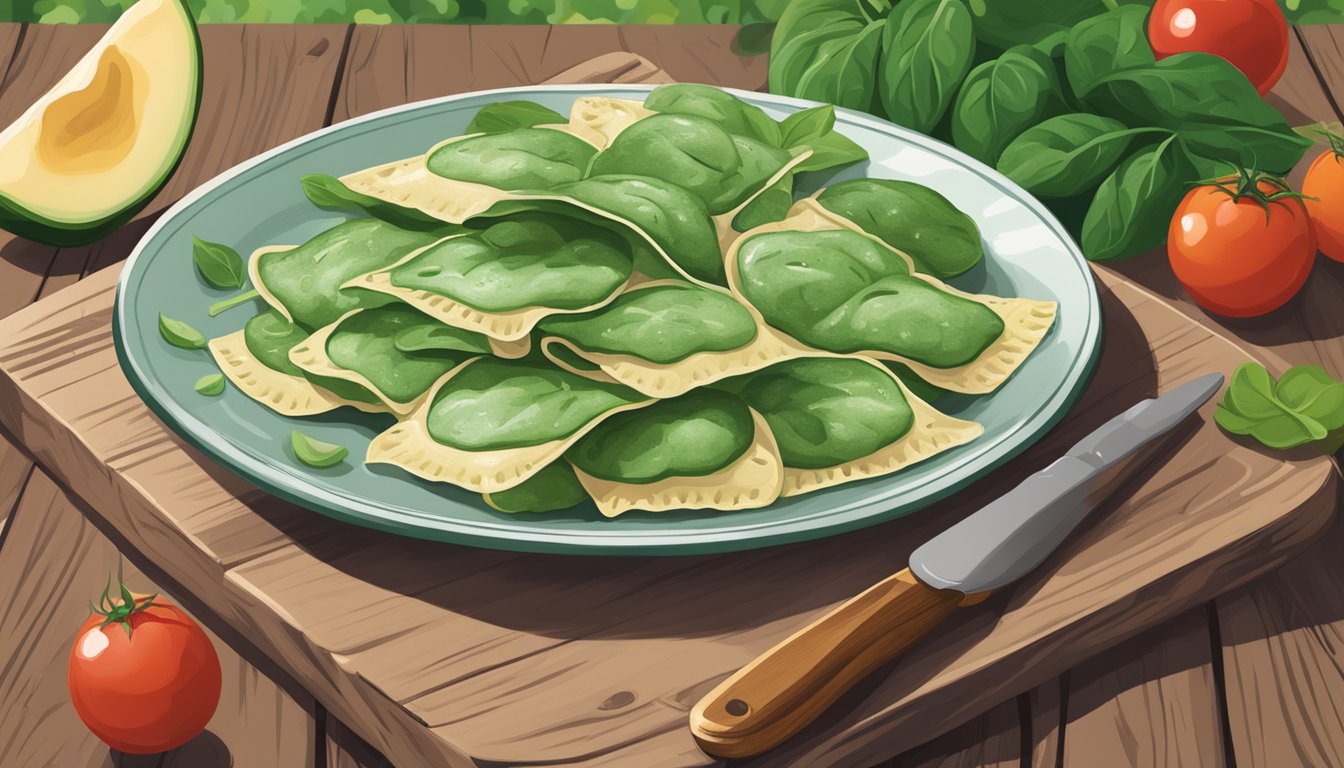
pixel 219 264
pixel 179 334
pixel 314 452
pixel 507 115
pixel 211 384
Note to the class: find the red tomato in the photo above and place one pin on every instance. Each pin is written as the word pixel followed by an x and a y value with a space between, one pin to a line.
pixel 149 690
pixel 1242 247
pixel 1252 34
pixel 1325 183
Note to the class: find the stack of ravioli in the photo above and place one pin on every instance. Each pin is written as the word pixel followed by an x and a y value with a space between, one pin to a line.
pixel 627 304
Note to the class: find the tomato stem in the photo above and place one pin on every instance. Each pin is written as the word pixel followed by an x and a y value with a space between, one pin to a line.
pixel 116 611
pixel 1336 140
pixel 1246 185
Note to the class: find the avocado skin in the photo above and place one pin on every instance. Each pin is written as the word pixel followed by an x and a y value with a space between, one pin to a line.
pixel 16 219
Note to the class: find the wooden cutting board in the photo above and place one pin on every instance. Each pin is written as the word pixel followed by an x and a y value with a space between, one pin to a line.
pixel 441 654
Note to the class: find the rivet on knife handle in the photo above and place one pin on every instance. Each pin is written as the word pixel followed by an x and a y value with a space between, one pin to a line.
pixel 787 687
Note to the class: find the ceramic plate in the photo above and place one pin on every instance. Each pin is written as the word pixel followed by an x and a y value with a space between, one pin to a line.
pixel 1028 253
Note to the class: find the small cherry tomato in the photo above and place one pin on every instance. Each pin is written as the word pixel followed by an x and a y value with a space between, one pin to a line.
pixel 143 675
pixel 1252 34
pixel 1324 191
pixel 1242 246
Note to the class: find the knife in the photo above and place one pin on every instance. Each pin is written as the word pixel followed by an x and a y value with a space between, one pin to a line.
pixel 789 685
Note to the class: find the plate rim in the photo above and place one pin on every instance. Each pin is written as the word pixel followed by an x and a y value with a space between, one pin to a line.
pixel 667 542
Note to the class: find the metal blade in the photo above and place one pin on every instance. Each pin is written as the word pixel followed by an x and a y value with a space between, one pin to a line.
pixel 1012 535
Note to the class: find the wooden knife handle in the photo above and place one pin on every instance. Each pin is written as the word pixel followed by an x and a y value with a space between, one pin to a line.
pixel 789 685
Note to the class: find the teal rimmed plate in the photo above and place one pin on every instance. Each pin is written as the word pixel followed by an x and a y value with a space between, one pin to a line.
pixel 260 202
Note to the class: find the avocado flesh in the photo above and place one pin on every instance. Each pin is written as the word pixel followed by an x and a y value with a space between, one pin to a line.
pixel 96 148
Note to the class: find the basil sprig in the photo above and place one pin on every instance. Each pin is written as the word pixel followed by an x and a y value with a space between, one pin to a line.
pixel 1306 405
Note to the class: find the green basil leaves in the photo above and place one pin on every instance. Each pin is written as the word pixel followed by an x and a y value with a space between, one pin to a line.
pixel 314 452
pixel 1134 205
pixel 220 265
pixel 928 47
pixel 1065 97
pixel 1003 97
pixel 1306 405
pixel 180 334
pixel 502 116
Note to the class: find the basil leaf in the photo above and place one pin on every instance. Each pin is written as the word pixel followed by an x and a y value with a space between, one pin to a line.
pixel 1209 102
pixel 927 49
pixel 507 115
pixel 809 124
pixel 1106 44
pixel 1005 23
pixel 832 150
pixel 1311 392
pixel 827 50
pixel 219 264
pixel 314 452
pixel 210 384
pixel 1002 98
pixel 1283 415
pixel 1134 205
pixel 1067 155
pixel 328 192
pixel 179 334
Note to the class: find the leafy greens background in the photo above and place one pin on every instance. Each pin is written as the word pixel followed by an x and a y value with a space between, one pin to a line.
pixel 759 15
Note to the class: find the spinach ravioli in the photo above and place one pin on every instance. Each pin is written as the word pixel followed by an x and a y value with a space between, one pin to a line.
pixel 627 309
pixel 832 287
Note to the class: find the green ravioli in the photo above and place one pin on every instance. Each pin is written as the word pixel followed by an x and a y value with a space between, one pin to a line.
pixel 668 215
pixel 524 158
pixel 941 240
pixel 825 412
pixel 270 337
pixel 307 280
pixel 724 109
pixel 554 487
pixel 839 291
pixel 661 324
pixel 494 404
pixel 696 434
pixel 720 168
pixel 524 260
pixel 366 343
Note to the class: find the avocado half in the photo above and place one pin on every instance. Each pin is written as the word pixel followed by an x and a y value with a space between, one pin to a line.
pixel 94 150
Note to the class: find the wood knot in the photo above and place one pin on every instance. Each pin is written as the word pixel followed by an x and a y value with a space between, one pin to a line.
pixel 319 48
pixel 617 700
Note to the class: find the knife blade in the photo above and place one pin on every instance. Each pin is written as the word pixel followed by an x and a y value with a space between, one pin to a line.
pixel 787 687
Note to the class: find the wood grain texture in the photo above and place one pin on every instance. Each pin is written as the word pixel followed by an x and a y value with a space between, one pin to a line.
pixel 1157 709
pixel 992 740
pixel 394 635
pixel 1325 52
pixel 55 563
pixel 390 65
pixel 1283 652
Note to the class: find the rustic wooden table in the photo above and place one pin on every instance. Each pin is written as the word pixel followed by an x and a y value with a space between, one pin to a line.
pixel 1252 677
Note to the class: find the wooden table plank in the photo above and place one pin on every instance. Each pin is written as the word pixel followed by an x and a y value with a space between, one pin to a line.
pixel 391 65
pixel 1158 709
pixel 992 740
pixel 1283 650
pixel 1325 49
pixel 704 55
pixel 54 564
